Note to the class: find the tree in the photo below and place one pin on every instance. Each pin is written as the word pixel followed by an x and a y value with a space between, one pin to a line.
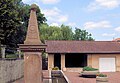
pixel 62 33
pixel 50 32
pixel 9 19
pixel 82 35
pixel 19 35
pixel 77 34
pixel 14 16
pixel 55 32
pixel 25 13
pixel 67 33
pixel 1 38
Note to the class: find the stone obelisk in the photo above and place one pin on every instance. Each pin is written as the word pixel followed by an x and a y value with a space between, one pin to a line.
pixel 32 49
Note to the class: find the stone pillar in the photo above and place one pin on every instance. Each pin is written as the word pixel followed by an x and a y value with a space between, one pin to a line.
pixel 63 62
pixel 89 60
pixel 50 61
pixel 117 57
pixel 32 49
pixel 3 51
pixel 33 67
pixel 19 52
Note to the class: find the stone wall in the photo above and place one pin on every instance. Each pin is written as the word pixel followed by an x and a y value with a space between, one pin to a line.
pixel 11 70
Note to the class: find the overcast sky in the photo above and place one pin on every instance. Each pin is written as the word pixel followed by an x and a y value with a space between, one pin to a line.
pixel 99 17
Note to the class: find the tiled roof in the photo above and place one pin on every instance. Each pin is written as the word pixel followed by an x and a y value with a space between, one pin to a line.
pixel 117 39
pixel 82 47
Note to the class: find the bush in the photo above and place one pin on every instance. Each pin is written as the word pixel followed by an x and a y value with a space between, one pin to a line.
pixel 102 75
pixel 89 69
pixel 55 68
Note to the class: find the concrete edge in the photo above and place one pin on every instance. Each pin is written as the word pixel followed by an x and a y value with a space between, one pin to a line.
pixel 14 81
pixel 50 80
pixel 68 81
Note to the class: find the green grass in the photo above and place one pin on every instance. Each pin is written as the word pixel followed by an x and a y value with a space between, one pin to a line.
pixel 89 69
pixel 11 56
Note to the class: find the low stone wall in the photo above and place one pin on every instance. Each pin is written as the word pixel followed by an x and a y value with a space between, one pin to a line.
pixel 10 70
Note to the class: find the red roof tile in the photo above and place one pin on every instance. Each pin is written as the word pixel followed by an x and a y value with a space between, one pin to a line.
pixel 82 47
pixel 117 39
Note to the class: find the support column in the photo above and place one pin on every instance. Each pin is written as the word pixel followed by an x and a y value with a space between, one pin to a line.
pixel 89 60
pixel 63 62
pixel 117 62
pixel 50 61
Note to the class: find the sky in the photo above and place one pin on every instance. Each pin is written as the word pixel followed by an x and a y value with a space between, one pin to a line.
pixel 101 18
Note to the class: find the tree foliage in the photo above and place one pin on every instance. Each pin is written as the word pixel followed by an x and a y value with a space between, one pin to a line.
pixel 24 14
pixel 20 12
pixel 50 32
pixel 9 19
pixel 63 33
pixel 55 32
pixel 67 33
pixel 14 17
pixel 82 35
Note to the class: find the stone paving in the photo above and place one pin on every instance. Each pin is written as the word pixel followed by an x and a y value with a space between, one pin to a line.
pixel 114 77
